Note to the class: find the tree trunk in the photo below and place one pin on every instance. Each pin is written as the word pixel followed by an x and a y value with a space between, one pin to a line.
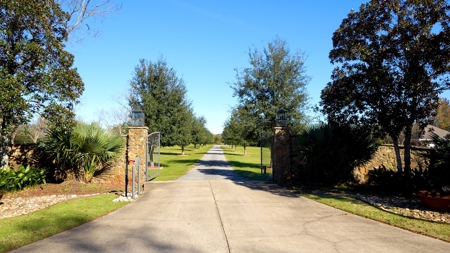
pixel 152 162
pixel 245 150
pixel 397 154
pixel 182 150
pixel 4 148
pixel 13 135
pixel 407 145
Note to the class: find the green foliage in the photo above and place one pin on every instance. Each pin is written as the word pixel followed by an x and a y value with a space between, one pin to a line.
pixel 200 134
pixel 22 136
pixel 217 139
pixel 390 181
pixel 161 94
pixel 330 153
pixel 14 180
pixel 276 80
pixel 87 149
pixel 239 129
pixel 392 59
pixel 36 73
pixel 440 162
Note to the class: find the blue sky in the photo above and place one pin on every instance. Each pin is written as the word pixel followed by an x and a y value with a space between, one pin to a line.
pixel 204 41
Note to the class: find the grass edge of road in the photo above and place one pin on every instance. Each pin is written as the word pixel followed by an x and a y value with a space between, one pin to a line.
pixel 432 229
pixel 176 165
pixel 22 230
pixel 247 165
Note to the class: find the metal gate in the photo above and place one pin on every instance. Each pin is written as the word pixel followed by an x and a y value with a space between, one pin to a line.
pixel 265 144
pixel 152 157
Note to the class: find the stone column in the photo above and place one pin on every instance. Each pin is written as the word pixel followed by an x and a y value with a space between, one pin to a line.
pixel 137 137
pixel 281 157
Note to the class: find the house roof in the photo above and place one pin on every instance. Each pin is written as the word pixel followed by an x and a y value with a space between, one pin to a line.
pixel 426 134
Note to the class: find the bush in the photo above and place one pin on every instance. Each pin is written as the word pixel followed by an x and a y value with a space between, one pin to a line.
pixel 390 181
pixel 439 168
pixel 85 150
pixel 13 180
pixel 330 153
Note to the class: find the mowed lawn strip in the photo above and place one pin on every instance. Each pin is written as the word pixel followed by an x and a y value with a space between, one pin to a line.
pixel 22 230
pixel 351 205
pixel 175 165
pixel 248 166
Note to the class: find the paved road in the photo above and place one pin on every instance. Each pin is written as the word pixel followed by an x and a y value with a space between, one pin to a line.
pixel 227 214
pixel 213 166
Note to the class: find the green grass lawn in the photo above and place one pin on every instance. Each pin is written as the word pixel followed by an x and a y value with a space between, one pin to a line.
pixel 174 165
pixel 22 230
pixel 249 165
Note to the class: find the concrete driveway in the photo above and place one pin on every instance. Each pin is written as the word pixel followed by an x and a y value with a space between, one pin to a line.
pixel 211 209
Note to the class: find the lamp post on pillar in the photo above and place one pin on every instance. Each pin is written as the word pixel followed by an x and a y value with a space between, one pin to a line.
pixel 137 136
pixel 137 118
pixel 281 118
pixel 281 156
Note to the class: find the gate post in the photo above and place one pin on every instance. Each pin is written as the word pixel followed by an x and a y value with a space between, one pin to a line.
pixel 281 157
pixel 137 137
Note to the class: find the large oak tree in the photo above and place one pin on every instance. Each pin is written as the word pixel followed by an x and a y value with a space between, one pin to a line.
pixel 392 62
pixel 36 73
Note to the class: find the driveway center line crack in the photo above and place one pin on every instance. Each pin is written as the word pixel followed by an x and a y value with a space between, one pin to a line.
pixel 220 218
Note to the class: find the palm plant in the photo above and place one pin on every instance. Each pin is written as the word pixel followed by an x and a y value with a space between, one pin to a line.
pixel 57 148
pixel 87 148
pixel 330 153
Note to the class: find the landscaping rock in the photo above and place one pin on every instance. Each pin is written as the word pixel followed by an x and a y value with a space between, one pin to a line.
pixel 15 206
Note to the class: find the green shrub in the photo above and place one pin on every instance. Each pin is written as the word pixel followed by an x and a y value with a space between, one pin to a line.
pixel 85 150
pixel 390 181
pixel 439 168
pixel 330 153
pixel 13 180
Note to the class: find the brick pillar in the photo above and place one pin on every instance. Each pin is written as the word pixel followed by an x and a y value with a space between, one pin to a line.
pixel 137 137
pixel 281 157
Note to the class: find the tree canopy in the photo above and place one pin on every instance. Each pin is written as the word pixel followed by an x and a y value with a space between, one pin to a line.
pixel 276 80
pixel 239 129
pixel 161 94
pixel 36 73
pixel 393 62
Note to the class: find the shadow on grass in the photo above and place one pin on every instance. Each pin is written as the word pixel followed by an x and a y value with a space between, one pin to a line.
pixel 168 153
pixel 342 198
pixel 185 161
pixel 232 154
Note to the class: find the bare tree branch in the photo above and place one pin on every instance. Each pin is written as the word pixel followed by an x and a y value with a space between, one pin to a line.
pixel 82 11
